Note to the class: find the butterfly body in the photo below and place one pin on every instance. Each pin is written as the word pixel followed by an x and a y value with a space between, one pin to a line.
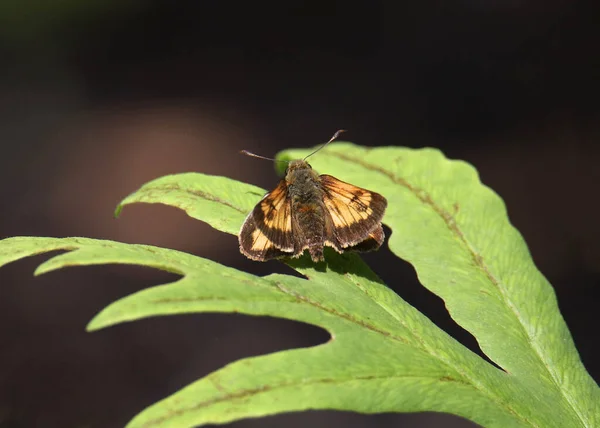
pixel 309 215
pixel 307 211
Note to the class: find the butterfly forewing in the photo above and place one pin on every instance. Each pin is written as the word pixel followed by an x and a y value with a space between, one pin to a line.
pixel 267 231
pixel 355 213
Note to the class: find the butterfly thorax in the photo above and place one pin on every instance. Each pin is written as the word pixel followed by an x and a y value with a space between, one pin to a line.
pixel 308 209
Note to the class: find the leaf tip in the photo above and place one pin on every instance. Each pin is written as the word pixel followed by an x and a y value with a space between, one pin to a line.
pixel 99 322
pixel 93 325
pixel 40 270
pixel 118 210
pixel 107 317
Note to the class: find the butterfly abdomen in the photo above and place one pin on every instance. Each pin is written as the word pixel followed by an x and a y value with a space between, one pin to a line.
pixel 310 223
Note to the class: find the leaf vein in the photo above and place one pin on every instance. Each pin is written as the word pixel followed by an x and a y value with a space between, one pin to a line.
pixel 200 194
pixel 468 380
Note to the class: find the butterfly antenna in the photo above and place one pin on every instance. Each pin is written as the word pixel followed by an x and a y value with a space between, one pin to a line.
pixel 247 153
pixel 337 133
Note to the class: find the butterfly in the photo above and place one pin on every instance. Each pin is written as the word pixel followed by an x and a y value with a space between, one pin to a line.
pixel 308 211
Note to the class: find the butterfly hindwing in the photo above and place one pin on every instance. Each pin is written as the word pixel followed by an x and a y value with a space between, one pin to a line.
pixel 373 241
pixel 267 231
pixel 355 214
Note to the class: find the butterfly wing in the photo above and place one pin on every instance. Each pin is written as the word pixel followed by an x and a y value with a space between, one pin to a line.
pixel 267 231
pixel 355 213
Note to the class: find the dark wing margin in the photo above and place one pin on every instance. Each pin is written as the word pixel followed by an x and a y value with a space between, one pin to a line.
pixel 372 243
pixel 267 231
pixel 355 214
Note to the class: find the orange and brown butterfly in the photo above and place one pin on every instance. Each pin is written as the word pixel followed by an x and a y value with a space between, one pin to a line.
pixel 308 211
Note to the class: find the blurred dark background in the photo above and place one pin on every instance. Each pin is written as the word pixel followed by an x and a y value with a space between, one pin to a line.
pixel 98 97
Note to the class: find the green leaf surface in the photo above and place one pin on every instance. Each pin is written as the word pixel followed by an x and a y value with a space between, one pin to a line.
pixel 456 233
pixel 383 354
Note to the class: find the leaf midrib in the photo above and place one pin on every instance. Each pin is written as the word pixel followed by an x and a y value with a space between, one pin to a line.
pixel 255 391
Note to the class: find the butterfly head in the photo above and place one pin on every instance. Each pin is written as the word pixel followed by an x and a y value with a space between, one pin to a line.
pixel 296 166
pixel 299 171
